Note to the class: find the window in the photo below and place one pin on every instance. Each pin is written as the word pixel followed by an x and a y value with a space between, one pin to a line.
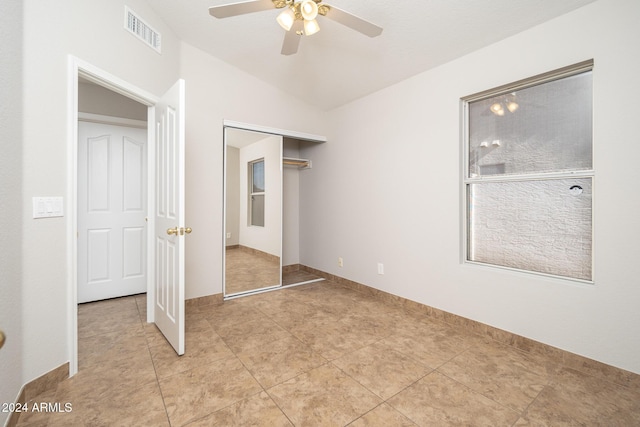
pixel 256 192
pixel 529 174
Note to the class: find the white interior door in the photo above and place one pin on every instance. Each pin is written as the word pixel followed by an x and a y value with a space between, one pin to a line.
pixel 170 230
pixel 112 201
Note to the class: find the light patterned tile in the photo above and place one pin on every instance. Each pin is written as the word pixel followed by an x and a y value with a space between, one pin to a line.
pixel 381 369
pixel 126 373
pixel 250 334
pixel 117 407
pixel 153 335
pixel 201 391
pixel 198 352
pixel 99 309
pixel 31 418
pixel 425 343
pixel 437 400
pixel 383 415
pixel 258 411
pixel 301 319
pixel 503 374
pixel 323 396
pixel 334 339
pixel 574 398
pixel 247 269
pixel 141 304
pixel 230 313
pixel 280 360
pixel 104 348
pixel 106 316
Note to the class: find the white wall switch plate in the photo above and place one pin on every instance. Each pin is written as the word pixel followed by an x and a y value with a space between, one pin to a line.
pixel 48 207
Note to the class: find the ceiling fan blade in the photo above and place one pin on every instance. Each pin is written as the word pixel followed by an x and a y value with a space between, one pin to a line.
pixel 353 22
pixel 292 39
pixel 240 8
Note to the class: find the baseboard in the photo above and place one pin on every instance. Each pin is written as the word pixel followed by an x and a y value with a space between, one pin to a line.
pixel 206 300
pixel 291 268
pixel 562 357
pixel 36 387
pixel 260 253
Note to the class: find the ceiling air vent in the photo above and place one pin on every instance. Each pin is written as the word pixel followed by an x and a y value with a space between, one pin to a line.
pixel 136 26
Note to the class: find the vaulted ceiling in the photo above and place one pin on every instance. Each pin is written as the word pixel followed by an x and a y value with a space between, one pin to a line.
pixel 338 65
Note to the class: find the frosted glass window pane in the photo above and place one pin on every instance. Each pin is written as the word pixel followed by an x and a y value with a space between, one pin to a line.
pixel 542 226
pixel 543 128
pixel 257 210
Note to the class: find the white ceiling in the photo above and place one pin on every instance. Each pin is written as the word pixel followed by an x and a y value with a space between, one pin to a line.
pixel 338 65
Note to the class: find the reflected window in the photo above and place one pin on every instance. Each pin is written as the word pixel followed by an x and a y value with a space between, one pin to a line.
pixel 256 192
pixel 529 174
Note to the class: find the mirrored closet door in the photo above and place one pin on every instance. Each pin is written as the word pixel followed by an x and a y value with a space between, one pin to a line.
pixel 262 188
pixel 253 214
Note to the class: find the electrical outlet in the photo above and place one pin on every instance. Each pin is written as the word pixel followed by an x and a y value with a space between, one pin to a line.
pixel 380 268
pixel 340 262
pixel 228 235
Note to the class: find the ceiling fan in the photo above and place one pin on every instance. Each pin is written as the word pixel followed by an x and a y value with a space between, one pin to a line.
pixel 298 18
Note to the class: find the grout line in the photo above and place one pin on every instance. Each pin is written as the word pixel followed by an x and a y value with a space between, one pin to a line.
pixel 481 394
pixel 155 371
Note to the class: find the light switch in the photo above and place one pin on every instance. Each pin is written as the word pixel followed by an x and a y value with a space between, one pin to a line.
pixel 48 207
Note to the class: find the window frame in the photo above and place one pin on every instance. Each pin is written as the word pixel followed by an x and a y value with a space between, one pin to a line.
pixel 467 180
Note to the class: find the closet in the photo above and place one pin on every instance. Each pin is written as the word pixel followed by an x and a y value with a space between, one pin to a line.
pixel 261 248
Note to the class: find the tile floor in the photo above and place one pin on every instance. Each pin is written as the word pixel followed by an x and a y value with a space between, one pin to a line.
pixel 247 271
pixel 317 355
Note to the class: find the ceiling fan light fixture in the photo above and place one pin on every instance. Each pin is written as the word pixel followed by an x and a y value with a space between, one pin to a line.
pixel 309 10
pixel 311 27
pixel 296 17
pixel 286 18
pixel 512 106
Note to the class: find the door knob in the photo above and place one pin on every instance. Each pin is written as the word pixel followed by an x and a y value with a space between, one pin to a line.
pixel 171 231
pixel 184 231
pixel 2 338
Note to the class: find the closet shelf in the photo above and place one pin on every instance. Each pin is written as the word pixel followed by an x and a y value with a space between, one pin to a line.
pixel 300 163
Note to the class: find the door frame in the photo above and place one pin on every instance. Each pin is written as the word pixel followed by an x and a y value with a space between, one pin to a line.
pixel 79 68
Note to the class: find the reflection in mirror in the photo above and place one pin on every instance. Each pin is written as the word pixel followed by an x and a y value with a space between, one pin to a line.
pixel 253 211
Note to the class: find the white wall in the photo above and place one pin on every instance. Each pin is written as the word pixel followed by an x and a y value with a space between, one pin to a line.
pixel 92 31
pixel 387 188
pixel 217 91
pixel 269 237
pixel 11 302
pixel 233 196
pixel 96 99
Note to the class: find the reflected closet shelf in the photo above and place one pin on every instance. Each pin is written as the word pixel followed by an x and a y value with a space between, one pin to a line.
pixel 299 163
